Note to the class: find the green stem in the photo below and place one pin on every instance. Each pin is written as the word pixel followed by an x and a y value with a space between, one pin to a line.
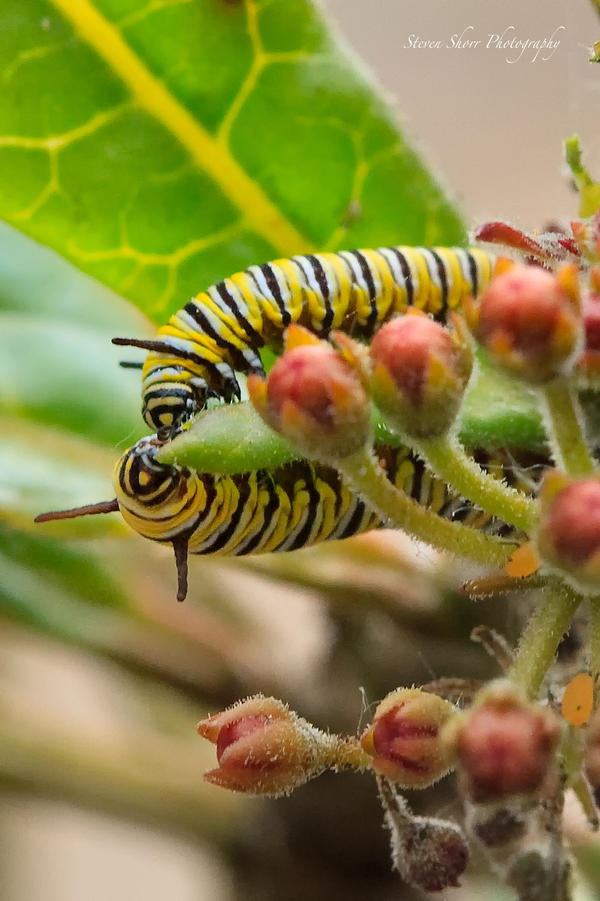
pixel 449 462
pixel 542 635
pixel 368 479
pixel 594 637
pixel 563 418
pixel 345 752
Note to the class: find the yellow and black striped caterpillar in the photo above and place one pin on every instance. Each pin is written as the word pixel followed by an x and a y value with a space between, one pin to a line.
pixel 220 331
pixel 283 509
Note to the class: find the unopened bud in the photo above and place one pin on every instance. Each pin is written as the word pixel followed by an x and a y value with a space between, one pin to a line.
pixel 589 363
pixel 586 233
pixel 314 396
pixel 420 372
pixel 505 745
pixel 430 853
pixel 404 738
pixel 569 532
pixel 529 321
pixel 264 748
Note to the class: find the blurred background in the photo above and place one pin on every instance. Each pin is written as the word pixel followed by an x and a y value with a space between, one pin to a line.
pixel 103 676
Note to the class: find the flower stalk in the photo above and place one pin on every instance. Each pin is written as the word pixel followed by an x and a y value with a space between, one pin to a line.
pixel 362 471
pixel 563 420
pixel 542 635
pixel 449 462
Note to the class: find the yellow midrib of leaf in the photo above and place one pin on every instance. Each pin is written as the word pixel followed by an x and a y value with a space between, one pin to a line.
pixel 209 153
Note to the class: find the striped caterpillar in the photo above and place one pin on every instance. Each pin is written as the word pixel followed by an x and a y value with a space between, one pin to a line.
pixel 283 509
pixel 220 331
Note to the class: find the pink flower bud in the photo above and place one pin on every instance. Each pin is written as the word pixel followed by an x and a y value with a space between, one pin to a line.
pixel 404 738
pixel 506 746
pixel 264 748
pixel 529 321
pixel 589 364
pixel 569 531
pixel 420 371
pixel 314 396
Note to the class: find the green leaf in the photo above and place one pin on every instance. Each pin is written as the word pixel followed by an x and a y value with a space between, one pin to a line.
pixel 161 146
pixel 497 412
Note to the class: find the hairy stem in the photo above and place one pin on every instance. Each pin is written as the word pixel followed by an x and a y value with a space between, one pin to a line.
pixel 449 462
pixel 594 636
pixel 542 635
pixel 563 419
pixel 364 474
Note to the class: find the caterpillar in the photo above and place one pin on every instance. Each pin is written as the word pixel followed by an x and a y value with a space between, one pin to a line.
pixel 221 330
pixel 283 509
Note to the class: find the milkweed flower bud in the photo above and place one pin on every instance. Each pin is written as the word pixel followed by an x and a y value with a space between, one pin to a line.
pixel 430 853
pixel 505 745
pixel 263 748
pixel 315 397
pixel 586 233
pixel 427 852
pixel 420 372
pixel 589 363
pixel 529 321
pixel 404 738
pixel 569 531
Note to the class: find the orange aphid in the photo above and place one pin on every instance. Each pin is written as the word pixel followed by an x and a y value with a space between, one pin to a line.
pixel 578 700
pixel 524 561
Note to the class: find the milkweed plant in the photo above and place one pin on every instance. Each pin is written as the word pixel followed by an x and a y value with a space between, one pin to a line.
pixel 360 420
pixel 522 740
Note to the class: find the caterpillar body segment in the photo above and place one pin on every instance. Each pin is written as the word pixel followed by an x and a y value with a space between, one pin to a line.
pixel 221 331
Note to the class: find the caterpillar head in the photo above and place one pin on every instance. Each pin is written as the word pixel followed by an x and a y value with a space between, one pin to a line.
pixel 160 502
pixel 167 406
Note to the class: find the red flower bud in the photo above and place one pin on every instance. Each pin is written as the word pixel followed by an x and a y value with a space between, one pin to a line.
pixel 264 748
pixel 529 321
pixel 569 531
pixel 420 371
pixel 314 396
pixel 404 738
pixel 589 364
pixel 506 746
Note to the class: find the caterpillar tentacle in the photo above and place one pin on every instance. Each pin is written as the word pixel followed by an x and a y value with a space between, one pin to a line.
pixel 221 330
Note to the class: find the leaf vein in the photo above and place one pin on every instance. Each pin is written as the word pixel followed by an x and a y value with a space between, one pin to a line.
pixel 265 218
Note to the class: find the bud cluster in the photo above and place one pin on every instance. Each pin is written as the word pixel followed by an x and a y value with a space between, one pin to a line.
pixel 318 397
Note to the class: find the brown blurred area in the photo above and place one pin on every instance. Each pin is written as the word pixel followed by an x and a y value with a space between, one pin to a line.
pixel 347 625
